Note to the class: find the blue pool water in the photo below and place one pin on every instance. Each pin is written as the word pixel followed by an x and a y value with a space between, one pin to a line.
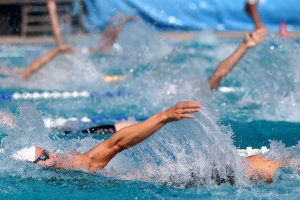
pixel 157 73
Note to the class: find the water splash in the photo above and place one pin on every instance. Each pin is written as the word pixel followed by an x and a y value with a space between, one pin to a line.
pixel 266 81
pixel 183 154
pixel 61 74
pixel 176 154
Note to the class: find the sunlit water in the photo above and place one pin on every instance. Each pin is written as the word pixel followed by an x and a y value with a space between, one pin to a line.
pixel 178 160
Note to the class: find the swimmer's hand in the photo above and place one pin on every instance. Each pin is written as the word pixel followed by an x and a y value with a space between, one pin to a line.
pixel 254 38
pixel 51 5
pixel 181 110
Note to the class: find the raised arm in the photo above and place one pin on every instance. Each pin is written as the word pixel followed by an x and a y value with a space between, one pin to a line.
pixel 251 10
pixel 54 22
pixel 250 40
pixel 99 156
pixel 112 31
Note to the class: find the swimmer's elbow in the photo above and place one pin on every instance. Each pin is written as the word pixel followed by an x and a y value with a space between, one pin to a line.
pixel 122 145
pixel 118 147
pixel 221 73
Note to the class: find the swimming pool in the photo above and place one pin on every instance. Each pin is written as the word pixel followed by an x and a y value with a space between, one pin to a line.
pixel 259 100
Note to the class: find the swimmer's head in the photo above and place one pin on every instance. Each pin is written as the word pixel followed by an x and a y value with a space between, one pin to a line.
pixel 36 155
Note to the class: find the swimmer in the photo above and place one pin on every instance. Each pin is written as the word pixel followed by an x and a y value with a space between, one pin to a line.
pixel 99 156
pixel 250 9
pixel 257 167
pixel 250 40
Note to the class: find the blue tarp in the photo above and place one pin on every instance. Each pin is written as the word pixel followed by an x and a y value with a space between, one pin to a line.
pixel 194 14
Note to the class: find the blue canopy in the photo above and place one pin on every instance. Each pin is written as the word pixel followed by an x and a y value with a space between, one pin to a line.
pixel 194 14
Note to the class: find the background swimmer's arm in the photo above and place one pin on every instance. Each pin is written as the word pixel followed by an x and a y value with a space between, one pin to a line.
pixel 226 66
pixel 132 135
pixel 109 38
pixel 250 40
pixel 110 25
pixel 105 40
pixel 54 22
pixel 251 10
pixel 41 61
pixel 112 31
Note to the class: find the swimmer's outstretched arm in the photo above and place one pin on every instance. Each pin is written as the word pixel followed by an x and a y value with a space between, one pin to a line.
pixel 110 25
pixel 250 40
pixel 54 22
pixel 108 40
pixel 100 155
pixel 41 61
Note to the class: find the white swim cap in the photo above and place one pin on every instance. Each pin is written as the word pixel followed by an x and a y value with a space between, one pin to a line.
pixel 27 154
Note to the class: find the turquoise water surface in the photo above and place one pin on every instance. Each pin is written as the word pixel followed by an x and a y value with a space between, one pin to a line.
pixel 260 109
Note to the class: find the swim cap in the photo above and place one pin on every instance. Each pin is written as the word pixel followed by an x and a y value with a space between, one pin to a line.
pixel 27 154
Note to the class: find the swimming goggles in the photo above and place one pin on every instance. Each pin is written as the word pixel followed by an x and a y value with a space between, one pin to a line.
pixel 44 156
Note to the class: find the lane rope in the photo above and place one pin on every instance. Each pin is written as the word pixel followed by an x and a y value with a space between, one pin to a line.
pixel 60 95
pixel 54 123
pixel 249 151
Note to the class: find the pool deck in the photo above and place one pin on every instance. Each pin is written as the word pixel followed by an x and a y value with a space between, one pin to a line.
pixel 17 40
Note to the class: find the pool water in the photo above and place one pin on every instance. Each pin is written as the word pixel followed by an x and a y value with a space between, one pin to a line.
pixel 257 105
